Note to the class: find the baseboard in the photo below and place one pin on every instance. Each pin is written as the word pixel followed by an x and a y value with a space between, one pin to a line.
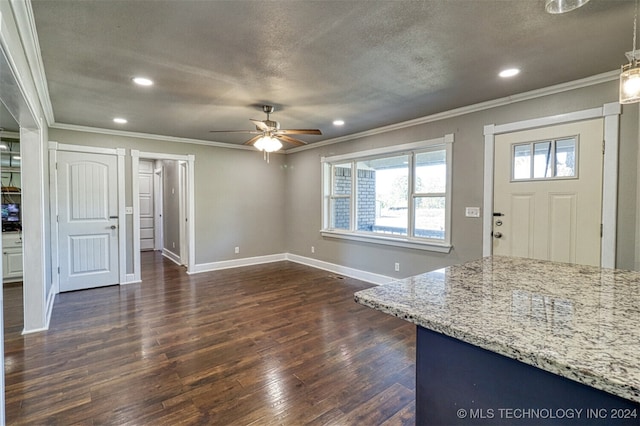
pixel 171 256
pixel 314 263
pixel 237 263
pixel 342 270
pixel 130 279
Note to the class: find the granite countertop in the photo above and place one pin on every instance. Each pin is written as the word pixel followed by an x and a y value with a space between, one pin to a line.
pixel 579 322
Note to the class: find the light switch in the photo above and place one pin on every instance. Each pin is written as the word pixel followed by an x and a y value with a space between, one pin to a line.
pixel 472 212
pixel 128 210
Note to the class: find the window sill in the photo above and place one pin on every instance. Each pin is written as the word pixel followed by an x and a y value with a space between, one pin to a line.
pixel 389 241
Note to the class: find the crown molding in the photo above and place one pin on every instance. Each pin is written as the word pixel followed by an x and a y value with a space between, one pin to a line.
pixel 76 128
pixel 482 106
pixel 25 22
pixel 538 93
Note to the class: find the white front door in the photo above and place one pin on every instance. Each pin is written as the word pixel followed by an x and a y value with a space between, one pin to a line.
pixel 87 220
pixel 548 192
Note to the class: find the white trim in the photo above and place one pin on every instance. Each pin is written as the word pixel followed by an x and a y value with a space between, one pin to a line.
pixel 172 256
pixel 237 263
pixel 314 263
pixel 25 22
pixel 151 136
pixel 446 139
pixel 87 149
pixel 482 106
pixel 53 215
pixel 122 218
pixel 131 279
pixel 445 142
pixel 611 114
pixel 342 270
pixel 49 305
pixel 189 159
pixel 135 194
pixel 388 241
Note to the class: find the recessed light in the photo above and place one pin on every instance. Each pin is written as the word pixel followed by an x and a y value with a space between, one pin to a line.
pixel 17 157
pixel 338 122
pixel 509 72
pixel 142 81
pixel 120 120
pixel 3 146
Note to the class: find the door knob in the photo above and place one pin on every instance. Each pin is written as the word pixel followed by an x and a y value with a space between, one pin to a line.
pixel 497 234
pixel 113 227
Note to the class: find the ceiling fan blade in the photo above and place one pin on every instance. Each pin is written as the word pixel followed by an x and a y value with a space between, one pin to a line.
pixel 260 125
pixel 253 140
pixel 289 139
pixel 235 131
pixel 300 132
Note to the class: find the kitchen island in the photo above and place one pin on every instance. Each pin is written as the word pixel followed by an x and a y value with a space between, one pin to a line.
pixel 516 341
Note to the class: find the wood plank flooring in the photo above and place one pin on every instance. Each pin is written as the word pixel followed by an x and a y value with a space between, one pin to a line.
pixel 273 344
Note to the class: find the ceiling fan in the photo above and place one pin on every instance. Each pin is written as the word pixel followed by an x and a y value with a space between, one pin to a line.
pixel 269 135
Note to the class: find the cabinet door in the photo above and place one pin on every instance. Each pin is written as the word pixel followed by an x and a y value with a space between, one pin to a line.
pixel 12 263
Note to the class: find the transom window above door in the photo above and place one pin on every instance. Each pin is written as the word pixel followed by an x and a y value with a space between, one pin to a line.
pixel 549 159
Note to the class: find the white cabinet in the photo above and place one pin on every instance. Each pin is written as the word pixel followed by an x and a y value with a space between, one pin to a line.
pixel 11 256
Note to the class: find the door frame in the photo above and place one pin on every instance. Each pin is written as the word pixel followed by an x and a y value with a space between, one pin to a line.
pixel 189 160
pixel 610 112
pixel 158 203
pixel 54 147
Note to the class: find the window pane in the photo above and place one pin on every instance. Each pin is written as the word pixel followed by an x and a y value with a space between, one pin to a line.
pixel 341 213
pixel 542 167
pixel 342 179
pixel 431 172
pixel 430 217
pixel 522 162
pixel 382 195
pixel 566 157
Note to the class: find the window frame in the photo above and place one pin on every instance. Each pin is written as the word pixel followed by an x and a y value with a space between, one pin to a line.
pixel 408 241
pixel 553 161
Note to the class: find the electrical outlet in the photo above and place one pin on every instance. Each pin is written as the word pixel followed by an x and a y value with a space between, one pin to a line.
pixel 313 249
pixel 397 267
pixel 237 250
pixel 472 211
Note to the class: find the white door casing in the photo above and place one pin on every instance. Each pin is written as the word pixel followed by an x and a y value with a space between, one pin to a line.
pixel 147 205
pixel 189 237
pixel 158 206
pixel 550 219
pixel 87 220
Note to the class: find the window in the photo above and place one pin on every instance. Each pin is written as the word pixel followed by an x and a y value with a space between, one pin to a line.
pixel 398 195
pixel 552 159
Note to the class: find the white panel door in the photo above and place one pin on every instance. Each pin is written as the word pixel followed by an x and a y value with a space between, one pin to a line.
pixel 145 179
pixel 549 217
pixel 87 220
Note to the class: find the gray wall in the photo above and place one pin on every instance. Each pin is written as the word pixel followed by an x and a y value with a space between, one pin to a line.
pixel 239 198
pixel 304 185
pixel 276 208
pixel 170 206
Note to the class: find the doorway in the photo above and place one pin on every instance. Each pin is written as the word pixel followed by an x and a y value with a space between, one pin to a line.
pixel 546 184
pixel 174 208
pixel 609 113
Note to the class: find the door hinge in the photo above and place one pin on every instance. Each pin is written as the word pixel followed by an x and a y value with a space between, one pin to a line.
pixel 58 270
pixel 601 230
pixel 603 145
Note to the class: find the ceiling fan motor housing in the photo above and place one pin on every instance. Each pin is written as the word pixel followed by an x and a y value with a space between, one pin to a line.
pixel 273 125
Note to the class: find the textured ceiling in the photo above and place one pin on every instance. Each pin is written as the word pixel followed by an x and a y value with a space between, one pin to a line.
pixel 370 63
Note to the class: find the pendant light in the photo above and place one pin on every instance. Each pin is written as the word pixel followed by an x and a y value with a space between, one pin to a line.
pixel 563 6
pixel 630 75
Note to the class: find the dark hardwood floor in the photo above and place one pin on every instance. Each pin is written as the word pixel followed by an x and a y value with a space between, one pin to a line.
pixel 273 344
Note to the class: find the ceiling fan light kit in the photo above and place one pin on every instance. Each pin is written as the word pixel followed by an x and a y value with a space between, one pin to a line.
pixel 630 75
pixel 270 135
